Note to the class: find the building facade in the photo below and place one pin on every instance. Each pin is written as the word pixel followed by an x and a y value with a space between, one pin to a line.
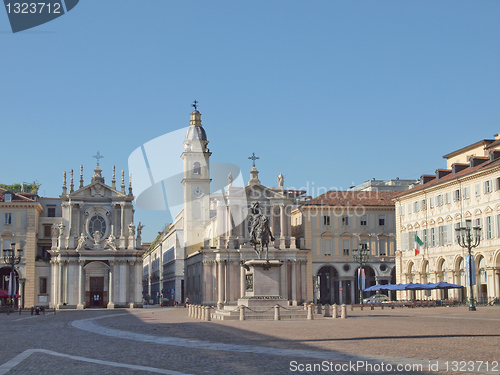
pixel 468 189
pixel 336 223
pixel 96 257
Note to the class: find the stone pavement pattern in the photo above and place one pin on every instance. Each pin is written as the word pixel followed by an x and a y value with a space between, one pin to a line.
pixel 121 341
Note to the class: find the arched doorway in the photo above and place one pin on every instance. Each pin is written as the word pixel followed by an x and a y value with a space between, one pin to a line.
pixel 96 284
pixel 482 280
pixel 327 285
pixel 442 275
pixel 369 281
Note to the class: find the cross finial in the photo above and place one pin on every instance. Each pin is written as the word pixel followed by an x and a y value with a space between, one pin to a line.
pixel 98 156
pixel 195 105
pixel 253 158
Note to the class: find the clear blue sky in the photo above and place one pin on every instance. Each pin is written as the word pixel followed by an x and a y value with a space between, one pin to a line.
pixel 330 93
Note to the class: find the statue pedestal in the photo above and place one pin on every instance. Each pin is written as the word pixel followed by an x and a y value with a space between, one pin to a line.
pixel 262 283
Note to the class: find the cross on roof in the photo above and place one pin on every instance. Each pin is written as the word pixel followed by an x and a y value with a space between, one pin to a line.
pixel 195 105
pixel 98 156
pixel 253 158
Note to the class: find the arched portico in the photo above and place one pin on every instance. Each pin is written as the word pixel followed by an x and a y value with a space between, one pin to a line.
pixel 327 285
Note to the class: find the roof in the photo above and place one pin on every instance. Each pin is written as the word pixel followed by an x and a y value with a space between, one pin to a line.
pixel 453 176
pixel 354 198
pixel 484 142
pixel 17 197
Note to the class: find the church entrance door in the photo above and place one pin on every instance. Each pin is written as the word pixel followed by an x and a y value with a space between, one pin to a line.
pixel 96 291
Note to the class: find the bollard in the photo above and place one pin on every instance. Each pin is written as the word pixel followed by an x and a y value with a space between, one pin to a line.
pixel 343 312
pixel 352 307
pixel 371 306
pixel 319 308
pixel 203 313
pixel 382 306
pixel 361 307
pixel 20 310
pixel 190 311
pixel 392 306
pixel 32 311
pixel 334 311
pixel 242 312
pixel 305 306
pixel 199 312
pixel 208 316
pixel 327 310
pixel 277 312
pixel 310 315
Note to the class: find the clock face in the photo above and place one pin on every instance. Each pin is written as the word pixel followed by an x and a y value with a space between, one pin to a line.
pixel 198 192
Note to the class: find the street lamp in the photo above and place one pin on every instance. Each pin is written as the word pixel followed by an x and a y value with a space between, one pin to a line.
pixel 361 257
pixel 9 257
pixel 468 241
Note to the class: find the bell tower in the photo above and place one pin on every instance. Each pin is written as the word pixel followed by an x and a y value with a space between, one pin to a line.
pixel 196 181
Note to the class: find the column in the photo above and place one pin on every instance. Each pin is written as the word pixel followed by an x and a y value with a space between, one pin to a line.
pixel 122 225
pixel 66 277
pixel 220 223
pixel 353 292
pixel 220 297
pixel 294 282
pixel 123 286
pixel 111 304
pixel 78 221
pixel 138 282
pixel 61 283
pixel 271 220
pixel 304 280
pixel 242 282
pixel 54 282
pixel 282 227
pixel 81 283
pixel 227 287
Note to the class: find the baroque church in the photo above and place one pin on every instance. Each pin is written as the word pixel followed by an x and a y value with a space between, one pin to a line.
pixel 210 236
pixel 96 255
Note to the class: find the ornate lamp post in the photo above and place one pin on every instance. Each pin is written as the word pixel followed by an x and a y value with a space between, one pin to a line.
pixel 468 241
pixel 361 257
pixel 9 257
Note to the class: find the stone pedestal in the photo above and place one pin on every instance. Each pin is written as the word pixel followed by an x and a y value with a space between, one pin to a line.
pixel 262 283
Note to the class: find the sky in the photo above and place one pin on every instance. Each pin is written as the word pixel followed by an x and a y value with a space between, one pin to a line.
pixel 329 93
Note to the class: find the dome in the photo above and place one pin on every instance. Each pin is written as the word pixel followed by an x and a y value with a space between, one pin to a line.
pixel 196 133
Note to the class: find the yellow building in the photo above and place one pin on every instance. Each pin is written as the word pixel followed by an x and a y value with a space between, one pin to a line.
pixel 469 189
pixel 336 223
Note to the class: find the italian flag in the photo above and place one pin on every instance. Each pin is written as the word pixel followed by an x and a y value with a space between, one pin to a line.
pixel 418 243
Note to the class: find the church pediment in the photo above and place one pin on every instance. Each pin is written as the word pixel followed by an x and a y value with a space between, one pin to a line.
pixel 96 189
pixel 262 192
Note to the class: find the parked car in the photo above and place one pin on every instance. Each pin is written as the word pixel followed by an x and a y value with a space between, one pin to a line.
pixel 376 298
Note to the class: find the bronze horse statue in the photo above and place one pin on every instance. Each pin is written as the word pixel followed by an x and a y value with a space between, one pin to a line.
pixel 261 235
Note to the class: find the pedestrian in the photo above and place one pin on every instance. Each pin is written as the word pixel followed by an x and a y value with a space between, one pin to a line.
pixel 186 304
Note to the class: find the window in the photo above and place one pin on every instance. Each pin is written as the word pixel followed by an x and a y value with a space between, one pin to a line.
pixel 439 200
pixel 456 234
pixel 477 189
pixel 196 168
pixel 409 208
pixel 327 247
pixel 423 205
pixel 487 186
pixel 424 237
pixel 478 222
pixel 440 239
pixel 43 285
pixel 401 210
pixel 489 227
pixel 364 245
pixel 466 192
pixel 382 247
pixel 47 231
pixel 497 183
pixel 433 237
pixel 456 195
pixel 431 202
pixel 346 246
pixel 415 206
pixel 326 220
pixel 97 224
pixel 362 220
pixel 447 199
pixel 345 220
pixel 381 220
pixel 51 211
pixel 8 219
pixel 8 197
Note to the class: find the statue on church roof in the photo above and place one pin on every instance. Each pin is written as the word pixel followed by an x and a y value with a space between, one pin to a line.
pixel 230 179
pixel 131 230
pixel 81 242
pixel 139 229
pixel 97 237
pixel 111 242
pixel 260 234
pixel 281 180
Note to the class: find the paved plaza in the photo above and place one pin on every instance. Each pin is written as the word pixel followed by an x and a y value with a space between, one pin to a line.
pixel 167 341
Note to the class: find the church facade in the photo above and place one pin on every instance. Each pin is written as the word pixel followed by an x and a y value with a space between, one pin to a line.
pixel 213 229
pixel 96 256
